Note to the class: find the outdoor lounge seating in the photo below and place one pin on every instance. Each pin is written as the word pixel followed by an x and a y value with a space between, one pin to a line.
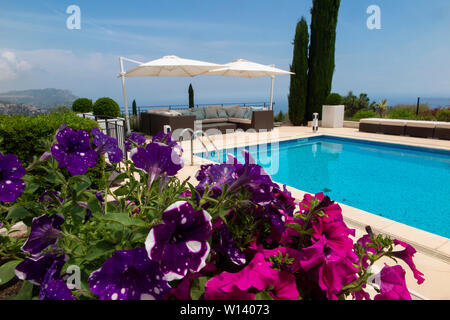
pixel 213 117
pixel 412 128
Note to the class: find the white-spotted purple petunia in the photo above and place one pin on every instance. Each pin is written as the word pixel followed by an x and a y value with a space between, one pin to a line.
pixel 180 243
pixel 45 231
pixel 11 172
pixel 35 269
pixel 129 275
pixel 73 151
pixel 226 244
pixel 157 159
pixel 54 287
pixel 107 144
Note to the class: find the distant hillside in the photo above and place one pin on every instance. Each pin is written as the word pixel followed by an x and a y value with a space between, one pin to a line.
pixel 40 98
pixel 19 108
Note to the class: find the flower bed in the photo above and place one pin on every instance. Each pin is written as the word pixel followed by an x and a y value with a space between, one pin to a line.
pixel 234 235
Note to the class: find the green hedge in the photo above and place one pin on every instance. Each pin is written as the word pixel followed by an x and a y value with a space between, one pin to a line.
pixel 29 137
pixel 106 107
pixel 334 99
pixel 82 105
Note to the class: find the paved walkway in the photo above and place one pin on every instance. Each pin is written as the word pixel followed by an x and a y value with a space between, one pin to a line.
pixel 433 256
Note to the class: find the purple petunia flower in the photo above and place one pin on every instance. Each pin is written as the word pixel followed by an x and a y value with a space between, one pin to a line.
pixel 73 151
pixel 407 255
pixel 45 231
pixel 11 172
pixel 35 269
pixel 157 159
pixel 129 275
pixel 331 268
pixel 392 284
pixel 226 244
pixel 167 140
pixel 134 140
pixel 180 243
pixel 53 287
pixel 107 144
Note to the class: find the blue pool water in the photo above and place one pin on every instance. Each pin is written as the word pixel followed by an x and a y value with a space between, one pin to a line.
pixel 407 184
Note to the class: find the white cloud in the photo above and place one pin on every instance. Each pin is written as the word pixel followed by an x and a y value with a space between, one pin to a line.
pixel 11 67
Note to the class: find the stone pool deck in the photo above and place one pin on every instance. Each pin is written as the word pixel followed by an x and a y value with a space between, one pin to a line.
pixel 433 251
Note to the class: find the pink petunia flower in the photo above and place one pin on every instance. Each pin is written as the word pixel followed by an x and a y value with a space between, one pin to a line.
pixel 392 284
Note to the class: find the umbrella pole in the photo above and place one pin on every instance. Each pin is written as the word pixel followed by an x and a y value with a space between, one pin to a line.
pixel 124 91
pixel 271 91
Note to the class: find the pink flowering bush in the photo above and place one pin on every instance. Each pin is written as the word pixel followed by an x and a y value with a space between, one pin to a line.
pixel 234 234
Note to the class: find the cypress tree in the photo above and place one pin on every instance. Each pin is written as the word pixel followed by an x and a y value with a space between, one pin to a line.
pixel 134 108
pixel 298 88
pixel 191 96
pixel 321 53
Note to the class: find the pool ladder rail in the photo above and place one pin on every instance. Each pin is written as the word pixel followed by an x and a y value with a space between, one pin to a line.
pixel 194 135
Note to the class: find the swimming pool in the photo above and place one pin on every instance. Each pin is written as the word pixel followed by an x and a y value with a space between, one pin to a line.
pixel 406 184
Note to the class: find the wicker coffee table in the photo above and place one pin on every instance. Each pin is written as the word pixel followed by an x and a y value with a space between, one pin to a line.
pixel 222 126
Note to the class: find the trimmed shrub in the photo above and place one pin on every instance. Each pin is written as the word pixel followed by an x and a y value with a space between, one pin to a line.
pixel 82 105
pixel 402 113
pixel 106 107
pixel 28 137
pixel 443 115
pixel 362 114
pixel 334 99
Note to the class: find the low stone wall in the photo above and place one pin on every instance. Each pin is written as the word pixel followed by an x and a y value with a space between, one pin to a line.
pixel 351 124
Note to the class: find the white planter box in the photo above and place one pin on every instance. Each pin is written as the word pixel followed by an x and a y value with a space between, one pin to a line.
pixel 333 116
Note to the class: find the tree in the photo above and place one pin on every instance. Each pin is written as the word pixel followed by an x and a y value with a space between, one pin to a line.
pixel 381 107
pixel 134 108
pixel 82 105
pixel 298 88
pixel 321 53
pixel 191 96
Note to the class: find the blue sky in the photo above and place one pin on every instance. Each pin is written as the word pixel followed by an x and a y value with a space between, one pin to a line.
pixel 407 58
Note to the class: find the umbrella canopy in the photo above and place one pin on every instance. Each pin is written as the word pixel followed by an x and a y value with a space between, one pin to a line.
pixel 172 66
pixel 248 69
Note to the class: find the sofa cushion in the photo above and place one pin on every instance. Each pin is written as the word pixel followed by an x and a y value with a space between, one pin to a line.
pixel 370 120
pixel 199 113
pixel 240 120
pixel 231 112
pixel 222 113
pixel 393 122
pixel 214 120
pixel 239 113
pixel 421 124
pixel 247 114
pixel 211 113
pixel 443 125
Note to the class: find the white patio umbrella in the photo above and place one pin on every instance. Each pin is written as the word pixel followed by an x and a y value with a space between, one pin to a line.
pixel 249 69
pixel 167 66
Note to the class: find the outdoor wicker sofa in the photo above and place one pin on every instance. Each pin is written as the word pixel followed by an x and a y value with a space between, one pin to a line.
pixel 220 118
pixel 412 128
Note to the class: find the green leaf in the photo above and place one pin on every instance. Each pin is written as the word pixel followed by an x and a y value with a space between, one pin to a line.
pixel 26 293
pixel 124 219
pixel 78 213
pixel 100 249
pixel 123 190
pixel 263 295
pixel 7 271
pixel 31 188
pixel 198 287
pixel 79 183
pixel 18 212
